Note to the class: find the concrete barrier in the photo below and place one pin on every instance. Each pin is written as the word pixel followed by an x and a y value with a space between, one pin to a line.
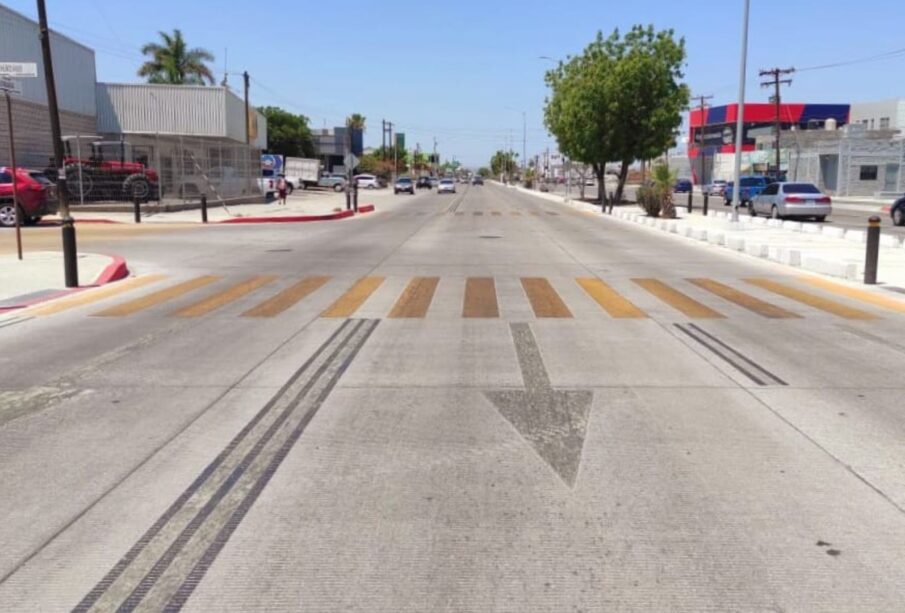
pixel 889 240
pixel 812 228
pixel 784 255
pixel 794 226
pixel 716 238
pixel 757 249
pixel 844 269
pixel 736 243
pixel 833 232
pixel 673 227
pixel 699 235
pixel 856 236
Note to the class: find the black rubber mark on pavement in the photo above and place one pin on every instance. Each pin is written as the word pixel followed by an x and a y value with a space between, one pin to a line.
pixel 742 363
pixel 251 472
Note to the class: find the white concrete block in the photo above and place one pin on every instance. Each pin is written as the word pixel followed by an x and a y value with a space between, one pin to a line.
pixel 672 227
pixel 699 234
pixel 663 225
pixel 758 221
pixel 890 240
pixel 784 255
pixel 856 236
pixel 687 231
pixel 756 249
pixel 812 228
pixel 794 226
pixel 736 243
pixel 833 231
pixel 715 237
pixel 774 223
pixel 835 268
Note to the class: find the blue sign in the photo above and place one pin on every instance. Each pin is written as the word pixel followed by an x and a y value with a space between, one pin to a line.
pixel 272 162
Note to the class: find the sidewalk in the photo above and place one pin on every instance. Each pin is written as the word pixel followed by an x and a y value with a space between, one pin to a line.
pixel 39 276
pixel 812 247
pixel 300 204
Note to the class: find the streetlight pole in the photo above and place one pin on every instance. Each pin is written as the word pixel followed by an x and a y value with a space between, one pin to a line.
pixel 740 120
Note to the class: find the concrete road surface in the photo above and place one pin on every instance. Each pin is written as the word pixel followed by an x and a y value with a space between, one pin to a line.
pixel 479 402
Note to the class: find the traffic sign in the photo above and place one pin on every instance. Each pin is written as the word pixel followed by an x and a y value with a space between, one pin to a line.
pixel 18 69
pixel 10 85
pixel 351 161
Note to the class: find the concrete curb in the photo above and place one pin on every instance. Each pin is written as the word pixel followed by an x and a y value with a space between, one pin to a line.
pixel 116 270
pixel 288 218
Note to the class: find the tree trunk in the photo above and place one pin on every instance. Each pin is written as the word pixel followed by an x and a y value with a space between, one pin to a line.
pixel 623 175
pixel 600 173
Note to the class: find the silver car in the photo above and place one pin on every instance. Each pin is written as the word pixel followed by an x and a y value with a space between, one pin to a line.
pixel 446 186
pixel 788 199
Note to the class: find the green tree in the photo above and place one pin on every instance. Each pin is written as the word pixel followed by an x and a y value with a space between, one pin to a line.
pixel 174 63
pixel 356 121
pixel 287 134
pixel 503 162
pixel 484 172
pixel 620 100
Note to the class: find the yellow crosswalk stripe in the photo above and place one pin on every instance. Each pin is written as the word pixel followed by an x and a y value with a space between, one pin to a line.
pixel 158 297
pixel 683 303
pixel 812 300
pixel 416 299
pixel 93 295
pixel 886 302
pixel 544 299
pixel 495 213
pixel 287 298
pixel 611 300
pixel 746 301
pixel 480 298
pixel 354 297
pixel 478 213
pixel 220 299
pixel 516 214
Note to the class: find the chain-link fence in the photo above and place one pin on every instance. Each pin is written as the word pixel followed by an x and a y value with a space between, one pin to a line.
pixel 166 169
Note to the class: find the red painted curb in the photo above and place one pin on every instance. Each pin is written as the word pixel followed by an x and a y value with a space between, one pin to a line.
pixel 116 270
pixel 368 208
pixel 289 219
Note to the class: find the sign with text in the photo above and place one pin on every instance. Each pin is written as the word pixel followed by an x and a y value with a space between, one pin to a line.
pixel 18 69
pixel 10 85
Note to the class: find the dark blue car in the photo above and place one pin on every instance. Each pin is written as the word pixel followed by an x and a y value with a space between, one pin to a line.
pixel 682 186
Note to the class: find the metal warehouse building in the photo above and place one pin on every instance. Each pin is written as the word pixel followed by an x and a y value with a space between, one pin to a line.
pixel 74 72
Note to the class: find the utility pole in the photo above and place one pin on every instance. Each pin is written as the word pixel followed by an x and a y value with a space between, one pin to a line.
pixel 701 151
pixel 434 159
pixel 740 120
pixel 383 139
pixel 70 262
pixel 524 145
pixel 245 81
pixel 775 82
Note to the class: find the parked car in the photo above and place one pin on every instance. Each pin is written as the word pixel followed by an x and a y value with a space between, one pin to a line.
pixel 404 184
pixel 435 181
pixel 267 186
pixel 423 183
pixel 683 186
pixel 751 187
pixel 897 211
pixel 476 180
pixel 36 193
pixel 717 188
pixel 781 200
pixel 446 186
pixel 367 181
pixel 334 181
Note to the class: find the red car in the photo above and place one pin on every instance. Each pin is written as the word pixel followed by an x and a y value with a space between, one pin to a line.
pixel 36 196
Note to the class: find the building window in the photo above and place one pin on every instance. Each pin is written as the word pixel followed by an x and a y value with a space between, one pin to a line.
pixel 884 123
pixel 868 173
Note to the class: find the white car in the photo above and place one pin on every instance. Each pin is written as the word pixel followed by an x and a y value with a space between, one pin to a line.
pixel 367 181
pixel 780 200
pixel 446 186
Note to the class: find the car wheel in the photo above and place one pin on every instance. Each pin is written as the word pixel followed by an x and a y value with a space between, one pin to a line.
pixel 289 189
pixel 751 210
pixel 7 215
pixel 136 186
pixel 30 221
pixel 774 213
pixel 898 216
pixel 820 218
pixel 371 186
pixel 338 187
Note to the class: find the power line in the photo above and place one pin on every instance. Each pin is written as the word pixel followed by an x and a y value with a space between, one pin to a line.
pixel 776 82
pixel 870 58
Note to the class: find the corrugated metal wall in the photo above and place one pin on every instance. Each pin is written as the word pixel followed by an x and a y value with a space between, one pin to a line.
pixel 187 110
pixel 73 64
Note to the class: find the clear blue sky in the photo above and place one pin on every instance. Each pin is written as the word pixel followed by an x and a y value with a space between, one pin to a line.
pixel 450 70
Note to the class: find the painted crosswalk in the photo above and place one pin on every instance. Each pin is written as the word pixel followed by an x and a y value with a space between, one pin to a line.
pixel 508 297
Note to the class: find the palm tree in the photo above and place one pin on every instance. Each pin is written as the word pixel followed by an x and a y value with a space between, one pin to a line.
pixel 356 121
pixel 174 63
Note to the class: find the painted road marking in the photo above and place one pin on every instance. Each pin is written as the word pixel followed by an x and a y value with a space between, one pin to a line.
pixel 90 296
pixel 287 298
pixel 354 297
pixel 683 303
pixel 460 213
pixel 812 300
pixel 747 301
pixel 416 299
pixel 231 294
pixel 495 213
pixel 478 213
pixel 544 299
pixel 858 294
pixel 516 214
pixel 480 298
pixel 158 297
pixel 611 300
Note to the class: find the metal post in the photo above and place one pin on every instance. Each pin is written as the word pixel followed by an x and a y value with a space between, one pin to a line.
pixel 612 198
pixel 706 203
pixel 740 120
pixel 12 156
pixel 203 208
pixel 355 197
pixel 873 251
pixel 136 206
pixel 691 200
pixel 70 261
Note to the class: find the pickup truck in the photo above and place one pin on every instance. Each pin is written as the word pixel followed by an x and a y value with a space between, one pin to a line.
pixel 336 182
pixel 751 187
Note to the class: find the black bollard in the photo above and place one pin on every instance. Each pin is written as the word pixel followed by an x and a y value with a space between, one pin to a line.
pixel 690 200
pixel 136 207
pixel 203 208
pixel 873 251
pixel 706 203
pixel 612 202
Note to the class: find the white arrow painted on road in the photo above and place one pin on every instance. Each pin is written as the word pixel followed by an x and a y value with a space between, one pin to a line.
pixel 554 422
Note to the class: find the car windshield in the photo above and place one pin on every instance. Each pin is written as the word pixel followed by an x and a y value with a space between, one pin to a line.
pixel 800 188
pixel 752 181
pixel 403 180
pixel 40 177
